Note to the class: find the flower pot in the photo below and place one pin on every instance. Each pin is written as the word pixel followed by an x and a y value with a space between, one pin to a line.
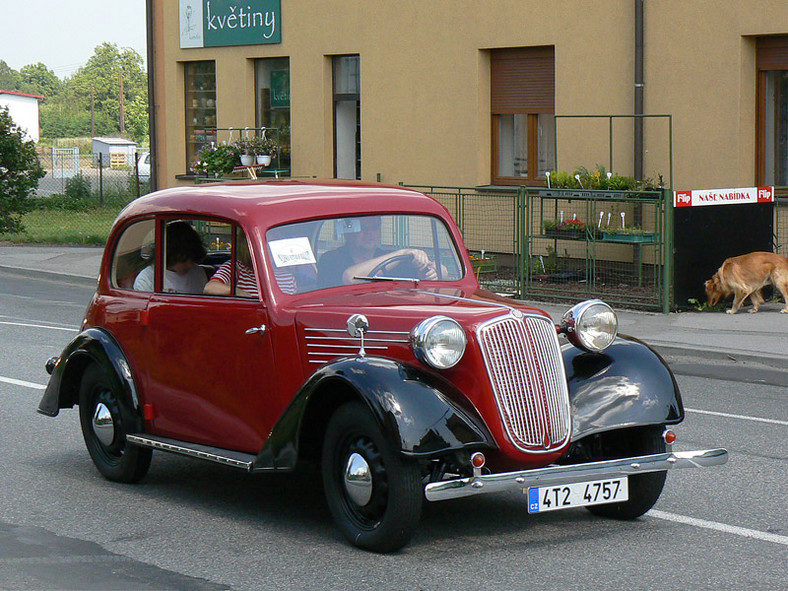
pixel 264 159
pixel 247 159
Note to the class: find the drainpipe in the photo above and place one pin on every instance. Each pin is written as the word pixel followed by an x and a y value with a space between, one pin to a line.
pixel 638 156
pixel 149 14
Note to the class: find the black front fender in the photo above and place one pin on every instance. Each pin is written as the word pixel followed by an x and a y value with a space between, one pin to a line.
pixel 627 385
pixel 93 345
pixel 412 406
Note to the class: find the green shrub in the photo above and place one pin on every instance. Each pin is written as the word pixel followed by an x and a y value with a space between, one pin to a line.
pixel 78 188
pixel 20 171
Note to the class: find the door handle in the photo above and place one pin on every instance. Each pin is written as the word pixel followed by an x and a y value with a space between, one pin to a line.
pixel 256 330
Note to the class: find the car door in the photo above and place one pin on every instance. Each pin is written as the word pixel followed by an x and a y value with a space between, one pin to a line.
pixel 210 371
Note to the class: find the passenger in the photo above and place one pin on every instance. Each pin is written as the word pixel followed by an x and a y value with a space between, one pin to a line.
pixel 245 280
pixel 361 253
pixel 184 252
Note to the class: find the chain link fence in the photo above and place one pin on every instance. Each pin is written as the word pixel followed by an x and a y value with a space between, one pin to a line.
pixel 80 196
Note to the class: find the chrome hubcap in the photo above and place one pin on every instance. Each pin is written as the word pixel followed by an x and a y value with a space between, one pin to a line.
pixel 358 479
pixel 103 425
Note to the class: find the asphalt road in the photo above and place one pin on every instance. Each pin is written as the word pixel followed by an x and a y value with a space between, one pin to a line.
pixel 192 526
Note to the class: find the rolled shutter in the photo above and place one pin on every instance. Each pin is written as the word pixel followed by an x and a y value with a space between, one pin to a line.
pixel 772 53
pixel 523 80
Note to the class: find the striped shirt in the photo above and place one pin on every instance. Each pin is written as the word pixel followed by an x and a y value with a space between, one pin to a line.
pixel 244 277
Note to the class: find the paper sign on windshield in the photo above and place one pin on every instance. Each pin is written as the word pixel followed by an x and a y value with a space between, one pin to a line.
pixel 289 252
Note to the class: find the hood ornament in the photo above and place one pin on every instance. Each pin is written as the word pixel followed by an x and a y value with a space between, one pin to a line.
pixel 357 326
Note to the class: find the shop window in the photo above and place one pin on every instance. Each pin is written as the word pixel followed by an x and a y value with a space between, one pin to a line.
pixel 200 82
pixel 272 106
pixel 522 97
pixel 347 117
pixel 772 154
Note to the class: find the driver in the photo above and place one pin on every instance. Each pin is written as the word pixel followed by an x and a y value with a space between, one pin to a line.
pixel 361 253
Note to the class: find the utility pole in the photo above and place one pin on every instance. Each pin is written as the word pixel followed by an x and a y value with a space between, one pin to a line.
pixel 92 113
pixel 122 113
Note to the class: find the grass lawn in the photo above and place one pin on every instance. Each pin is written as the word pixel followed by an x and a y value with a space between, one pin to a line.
pixel 66 227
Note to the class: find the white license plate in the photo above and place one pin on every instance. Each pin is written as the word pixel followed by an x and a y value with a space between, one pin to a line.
pixel 579 494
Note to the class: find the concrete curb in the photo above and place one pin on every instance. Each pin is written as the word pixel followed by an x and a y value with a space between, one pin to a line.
pixel 689 352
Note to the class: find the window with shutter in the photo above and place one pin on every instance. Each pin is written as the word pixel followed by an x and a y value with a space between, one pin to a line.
pixel 522 99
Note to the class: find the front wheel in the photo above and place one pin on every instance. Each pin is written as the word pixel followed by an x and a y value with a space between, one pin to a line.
pixel 105 421
pixel 644 489
pixel 373 492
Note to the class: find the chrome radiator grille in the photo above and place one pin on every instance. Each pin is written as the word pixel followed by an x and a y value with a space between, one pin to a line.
pixel 526 371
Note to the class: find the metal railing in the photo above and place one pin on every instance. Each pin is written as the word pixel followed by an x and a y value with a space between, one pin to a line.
pixel 559 244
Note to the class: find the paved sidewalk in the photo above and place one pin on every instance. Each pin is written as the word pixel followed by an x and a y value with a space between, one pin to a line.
pixel 761 337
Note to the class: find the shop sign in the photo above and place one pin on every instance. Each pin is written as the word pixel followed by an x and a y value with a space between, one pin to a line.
pixel 723 196
pixel 219 23
pixel 280 88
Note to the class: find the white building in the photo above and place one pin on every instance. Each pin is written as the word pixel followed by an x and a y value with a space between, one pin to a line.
pixel 23 109
pixel 115 151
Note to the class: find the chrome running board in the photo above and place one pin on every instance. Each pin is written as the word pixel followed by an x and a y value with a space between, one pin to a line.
pixel 228 457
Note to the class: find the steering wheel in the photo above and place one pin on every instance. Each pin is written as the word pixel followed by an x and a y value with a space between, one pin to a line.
pixel 393 262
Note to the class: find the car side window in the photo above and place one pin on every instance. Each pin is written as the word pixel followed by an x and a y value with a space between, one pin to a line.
pixel 180 252
pixel 134 251
pixel 236 275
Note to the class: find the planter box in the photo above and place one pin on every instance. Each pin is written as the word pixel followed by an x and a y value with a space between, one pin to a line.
pixel 645 237
pixel 566 234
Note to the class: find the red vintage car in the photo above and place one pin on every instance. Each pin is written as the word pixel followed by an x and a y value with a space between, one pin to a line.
pixel 257 325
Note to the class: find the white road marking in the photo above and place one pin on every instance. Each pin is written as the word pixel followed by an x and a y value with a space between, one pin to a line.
pixel 728 529
pixel 22 383
pixel 72 329
pixel 742 417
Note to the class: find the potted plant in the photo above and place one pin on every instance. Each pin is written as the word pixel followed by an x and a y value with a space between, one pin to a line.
pixel 264 148
pixel 216 160
pixel 573 229
pixel 245 148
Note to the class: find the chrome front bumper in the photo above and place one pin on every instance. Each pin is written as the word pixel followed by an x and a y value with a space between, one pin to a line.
pixel 557 475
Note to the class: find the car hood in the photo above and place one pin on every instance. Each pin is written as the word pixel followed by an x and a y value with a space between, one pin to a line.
pixel 396 304
pixel 392 312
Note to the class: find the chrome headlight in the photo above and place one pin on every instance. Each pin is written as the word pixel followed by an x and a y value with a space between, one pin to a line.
pixel 591 325
pixel 438 341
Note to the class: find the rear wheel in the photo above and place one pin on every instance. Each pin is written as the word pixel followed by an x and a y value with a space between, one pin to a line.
pixel 373 492
pixel 105 420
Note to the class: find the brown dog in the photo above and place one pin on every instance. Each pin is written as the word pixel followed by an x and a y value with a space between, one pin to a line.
pixel 745 275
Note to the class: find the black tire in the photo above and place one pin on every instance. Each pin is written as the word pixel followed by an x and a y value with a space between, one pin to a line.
pixel 644 489
pixel 388 519
pixel 117 460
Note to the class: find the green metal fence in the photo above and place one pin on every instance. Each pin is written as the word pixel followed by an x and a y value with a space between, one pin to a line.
pixel 559 244
pixel 490 222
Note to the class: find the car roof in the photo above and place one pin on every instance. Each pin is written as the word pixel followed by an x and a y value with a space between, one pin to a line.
pixel 271 203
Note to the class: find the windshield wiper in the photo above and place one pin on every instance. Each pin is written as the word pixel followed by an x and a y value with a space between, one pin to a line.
pixel 383 278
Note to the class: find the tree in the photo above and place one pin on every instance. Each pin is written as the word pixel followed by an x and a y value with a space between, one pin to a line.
pixel 38 79
pixel 68 113
pixel 137 118
pixel 9 78
pixel 20 171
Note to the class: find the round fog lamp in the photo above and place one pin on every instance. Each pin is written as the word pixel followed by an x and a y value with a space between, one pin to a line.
pixel 438 341
pixel 591 325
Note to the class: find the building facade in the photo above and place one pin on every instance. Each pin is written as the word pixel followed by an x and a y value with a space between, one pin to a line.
pixel 23 109
pixel 452 92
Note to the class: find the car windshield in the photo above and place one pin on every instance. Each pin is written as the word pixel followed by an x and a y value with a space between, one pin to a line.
pixel 338 251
